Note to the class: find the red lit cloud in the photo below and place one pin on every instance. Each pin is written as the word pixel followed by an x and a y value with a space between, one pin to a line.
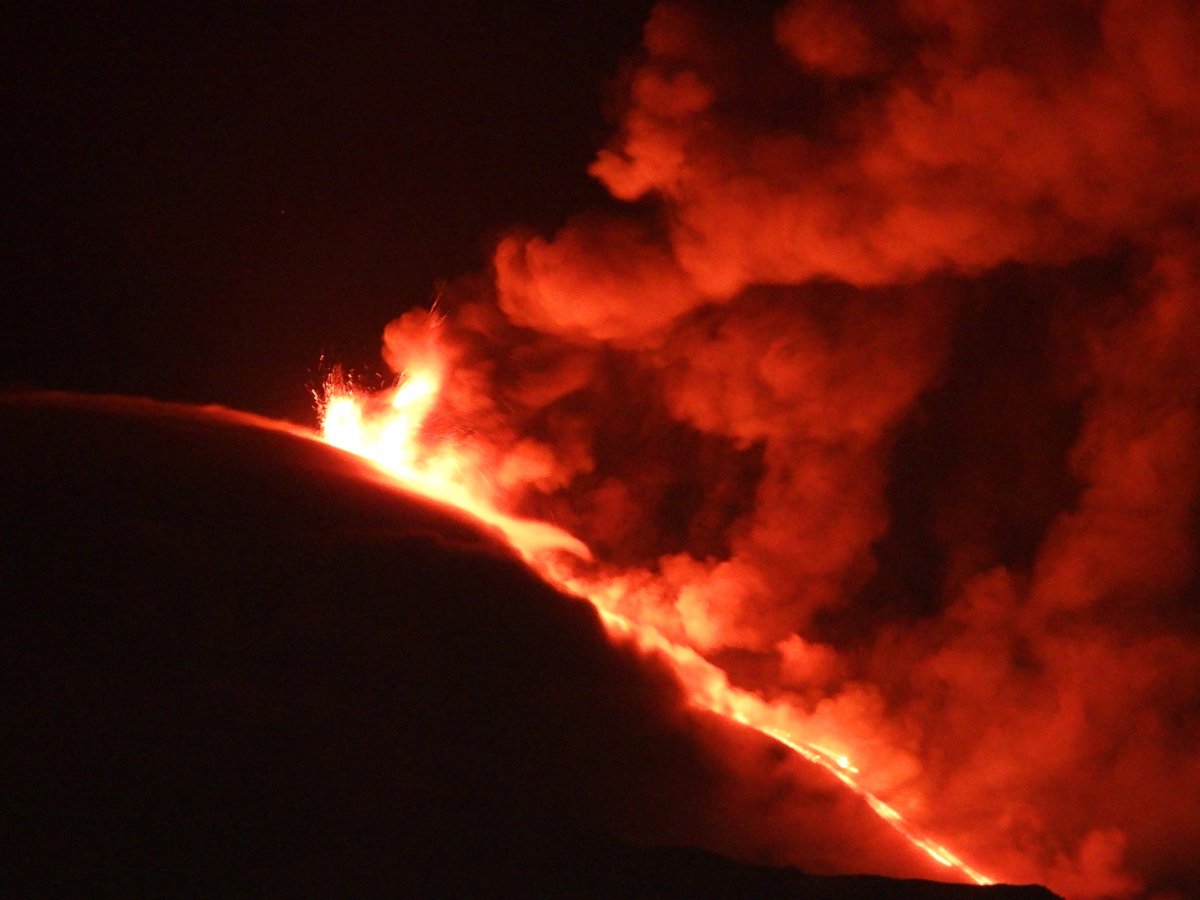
pixel 964 153
pixel 597 280
pixel 826 37
pixel 885 391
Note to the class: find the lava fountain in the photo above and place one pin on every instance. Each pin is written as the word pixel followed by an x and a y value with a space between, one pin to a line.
pixel 391 428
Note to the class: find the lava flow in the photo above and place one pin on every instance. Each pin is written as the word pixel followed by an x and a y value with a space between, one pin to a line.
pixel 390 428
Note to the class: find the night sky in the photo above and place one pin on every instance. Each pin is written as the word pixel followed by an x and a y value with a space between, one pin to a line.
pixel 206 199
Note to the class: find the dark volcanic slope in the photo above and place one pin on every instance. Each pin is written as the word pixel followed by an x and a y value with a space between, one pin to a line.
pixel 235 663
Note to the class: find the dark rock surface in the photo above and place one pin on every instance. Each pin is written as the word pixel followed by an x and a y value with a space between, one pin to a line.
pixel 236 664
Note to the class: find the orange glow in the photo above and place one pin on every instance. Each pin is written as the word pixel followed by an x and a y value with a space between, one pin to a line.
pixel 392 429
pixel 390 435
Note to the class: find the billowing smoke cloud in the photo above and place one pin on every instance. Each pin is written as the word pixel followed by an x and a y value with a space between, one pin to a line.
pixel 884 393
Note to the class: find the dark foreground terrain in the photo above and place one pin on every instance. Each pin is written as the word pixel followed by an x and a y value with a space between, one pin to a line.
pixel 235 663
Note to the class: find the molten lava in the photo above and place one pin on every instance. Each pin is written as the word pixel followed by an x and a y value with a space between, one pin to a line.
pixel 388 434
pixel 392 429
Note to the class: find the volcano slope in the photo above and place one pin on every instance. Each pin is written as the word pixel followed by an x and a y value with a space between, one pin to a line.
pixel 236 660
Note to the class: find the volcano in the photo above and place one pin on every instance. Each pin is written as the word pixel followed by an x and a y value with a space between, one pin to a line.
pixel 237 659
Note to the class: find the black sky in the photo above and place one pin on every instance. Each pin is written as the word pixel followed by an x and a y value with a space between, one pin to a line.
pixel 205 200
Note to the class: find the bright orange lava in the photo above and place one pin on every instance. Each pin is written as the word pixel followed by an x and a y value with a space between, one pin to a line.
pixel 388 428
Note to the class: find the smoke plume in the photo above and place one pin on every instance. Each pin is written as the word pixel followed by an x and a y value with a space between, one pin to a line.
pixel 883 392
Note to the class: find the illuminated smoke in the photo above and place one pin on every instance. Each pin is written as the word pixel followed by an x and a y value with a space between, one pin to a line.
pixel 884 395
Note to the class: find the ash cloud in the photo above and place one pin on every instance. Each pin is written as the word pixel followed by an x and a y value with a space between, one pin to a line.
pixel 885 387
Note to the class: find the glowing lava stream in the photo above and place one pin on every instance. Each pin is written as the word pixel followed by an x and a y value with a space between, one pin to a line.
pixel 386 428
